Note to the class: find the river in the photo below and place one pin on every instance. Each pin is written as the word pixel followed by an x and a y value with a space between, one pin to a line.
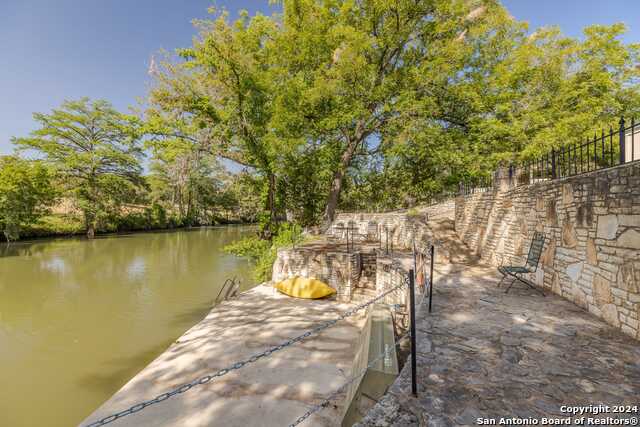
pixel 79 318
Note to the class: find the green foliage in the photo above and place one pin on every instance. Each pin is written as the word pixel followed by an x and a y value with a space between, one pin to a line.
pixel 551 91
pixel 219 100
pixel 59 225
pixel 264 252
pixel 26 193
pixel 96 152
pixel 368 105
pixel 413 213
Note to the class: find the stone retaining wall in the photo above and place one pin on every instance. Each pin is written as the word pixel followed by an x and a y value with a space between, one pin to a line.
pixel 592 225
pixel 402 229
pixel 339 270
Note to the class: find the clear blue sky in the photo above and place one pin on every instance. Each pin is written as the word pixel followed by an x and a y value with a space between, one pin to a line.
pixel 66 49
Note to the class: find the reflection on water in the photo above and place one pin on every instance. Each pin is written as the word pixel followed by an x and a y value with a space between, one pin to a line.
pixel 79 318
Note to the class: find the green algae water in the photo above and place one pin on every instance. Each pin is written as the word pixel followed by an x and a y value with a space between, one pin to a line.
pixel 79 318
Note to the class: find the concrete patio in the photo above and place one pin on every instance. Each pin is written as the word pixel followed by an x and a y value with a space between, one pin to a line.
pixel 273 391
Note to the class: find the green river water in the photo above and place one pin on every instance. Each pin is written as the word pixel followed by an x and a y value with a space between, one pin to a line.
pixel 79 318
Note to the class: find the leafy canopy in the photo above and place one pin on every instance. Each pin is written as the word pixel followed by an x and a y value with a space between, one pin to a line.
pixel 96 151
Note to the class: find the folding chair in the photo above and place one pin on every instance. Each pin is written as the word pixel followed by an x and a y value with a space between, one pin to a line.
pixel 533 259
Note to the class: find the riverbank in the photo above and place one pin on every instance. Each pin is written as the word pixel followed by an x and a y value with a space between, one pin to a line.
pixel 71 226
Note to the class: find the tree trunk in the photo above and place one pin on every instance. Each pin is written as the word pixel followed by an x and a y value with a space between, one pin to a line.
pixel 271 199
pixel 91 230
pixel 268 231
pixel 336 183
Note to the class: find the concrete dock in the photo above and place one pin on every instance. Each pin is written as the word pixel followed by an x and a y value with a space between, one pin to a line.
pixel 275 390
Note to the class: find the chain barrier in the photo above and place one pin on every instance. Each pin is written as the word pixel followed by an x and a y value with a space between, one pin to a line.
pixel 339 390
pixel 239 365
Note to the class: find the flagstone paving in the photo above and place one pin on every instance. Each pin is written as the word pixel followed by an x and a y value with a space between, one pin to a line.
pixel 486 354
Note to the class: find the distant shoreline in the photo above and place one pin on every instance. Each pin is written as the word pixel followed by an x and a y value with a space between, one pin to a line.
pixel 100 235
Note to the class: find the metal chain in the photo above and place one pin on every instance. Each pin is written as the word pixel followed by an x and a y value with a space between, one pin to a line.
pixel 338 391
pixel 238 365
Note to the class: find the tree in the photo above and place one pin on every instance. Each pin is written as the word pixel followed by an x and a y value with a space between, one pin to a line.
pixel 186 180
pixel 220 97
pixel 551 90
pixel 25 194
pixel 96 151
pixel 367 71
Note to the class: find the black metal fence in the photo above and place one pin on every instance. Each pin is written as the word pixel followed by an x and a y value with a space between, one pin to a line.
pixel 604 150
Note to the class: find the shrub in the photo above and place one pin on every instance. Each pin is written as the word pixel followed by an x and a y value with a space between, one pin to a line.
pixel 263 252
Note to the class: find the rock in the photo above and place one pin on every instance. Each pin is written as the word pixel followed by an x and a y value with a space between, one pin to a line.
pixel 629 220
pixel 579 297
pixel 539 277
pixel 586 386
pixel 511 355
pixel 592 255
pixel 574 271
pixel 610 315
pixel 424 346
pixel 629 239
pixel 549 254
pixel 567 194
pixel 607 227
pixel 584 215
pixel 626 277
pixel 552 217
pixel 468 416
pixel 555 286
pixel 524 230
pixel 569 237
pixel 601 291
pixel 509 340
pixel 518 245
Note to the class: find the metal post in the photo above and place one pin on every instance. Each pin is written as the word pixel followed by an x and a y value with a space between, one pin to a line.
pixel 412 311
pixel 621 134
pixel 553 164
pixel 415 261
pixel 386 229
pixel 433 250
pixel 347 239
pixel 633 143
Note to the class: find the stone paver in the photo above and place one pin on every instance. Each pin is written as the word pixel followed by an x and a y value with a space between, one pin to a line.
pixel 486 354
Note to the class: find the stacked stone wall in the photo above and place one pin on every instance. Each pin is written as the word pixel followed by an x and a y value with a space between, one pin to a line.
pixel 592 225
pixel 337 269
pixel 398 231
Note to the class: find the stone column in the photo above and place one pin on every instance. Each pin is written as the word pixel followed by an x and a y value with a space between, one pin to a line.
pixel 503 178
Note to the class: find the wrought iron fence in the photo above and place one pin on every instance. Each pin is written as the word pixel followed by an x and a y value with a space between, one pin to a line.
pixel 604 150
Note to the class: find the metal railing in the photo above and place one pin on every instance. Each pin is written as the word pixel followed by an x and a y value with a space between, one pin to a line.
pixel 602 151
pixel 228 290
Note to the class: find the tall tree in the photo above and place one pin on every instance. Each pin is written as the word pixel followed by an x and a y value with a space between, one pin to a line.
pixel 186 179
pixel 26 193
pixel 220 97
pixel 95 149
pixel 362 66
pixel 551 90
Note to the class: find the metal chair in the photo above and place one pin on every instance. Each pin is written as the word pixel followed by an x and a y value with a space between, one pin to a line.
pixel 533 259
